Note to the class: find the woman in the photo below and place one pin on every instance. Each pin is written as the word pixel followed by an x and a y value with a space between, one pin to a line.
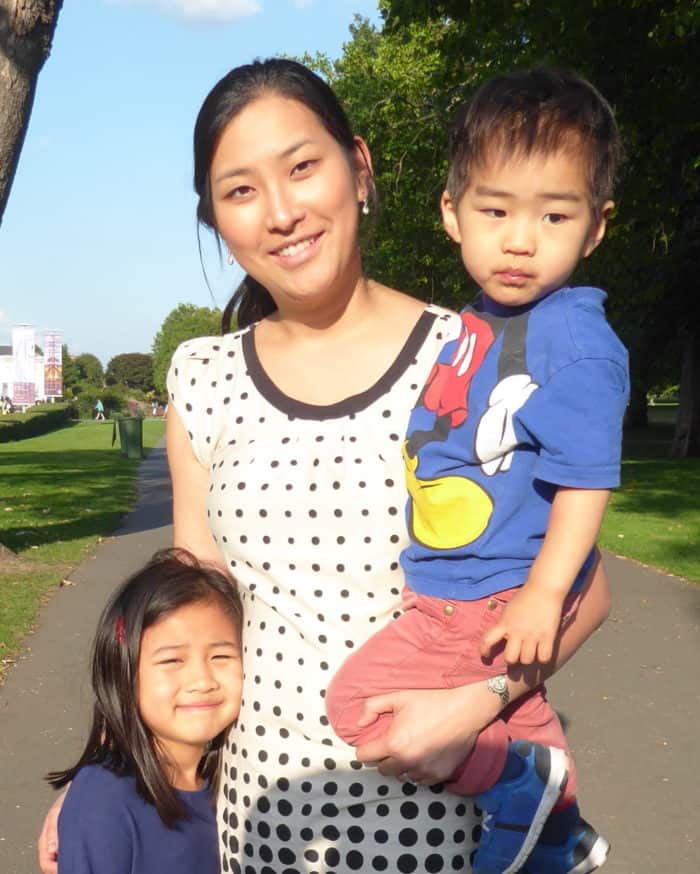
pixel 284 442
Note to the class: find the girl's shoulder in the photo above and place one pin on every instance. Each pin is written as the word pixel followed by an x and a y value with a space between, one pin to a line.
pixel 96 823
pixel 97 785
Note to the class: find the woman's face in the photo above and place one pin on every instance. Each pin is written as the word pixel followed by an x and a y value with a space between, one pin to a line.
pixel 285 196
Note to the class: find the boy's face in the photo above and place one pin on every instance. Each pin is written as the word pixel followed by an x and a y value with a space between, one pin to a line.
pixel 523 224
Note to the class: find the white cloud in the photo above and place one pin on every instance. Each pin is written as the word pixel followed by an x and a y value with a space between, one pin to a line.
pixel 200 10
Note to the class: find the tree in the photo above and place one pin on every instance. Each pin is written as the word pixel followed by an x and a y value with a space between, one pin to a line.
pixel 71 371
pixel 26 30
pixel 398 91
pixel 91 369
pixel 401 84
pixel 133 369
pixel 183 323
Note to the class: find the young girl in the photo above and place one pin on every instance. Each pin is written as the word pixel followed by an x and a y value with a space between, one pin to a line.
pixel 166 674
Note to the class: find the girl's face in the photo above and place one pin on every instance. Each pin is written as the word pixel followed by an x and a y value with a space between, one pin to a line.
pixel 285 197
pixel 189 679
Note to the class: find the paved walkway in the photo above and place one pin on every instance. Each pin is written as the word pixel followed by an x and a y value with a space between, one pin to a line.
pixel 630 702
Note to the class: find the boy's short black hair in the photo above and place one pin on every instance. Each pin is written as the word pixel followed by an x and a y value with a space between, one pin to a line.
pixel 537 111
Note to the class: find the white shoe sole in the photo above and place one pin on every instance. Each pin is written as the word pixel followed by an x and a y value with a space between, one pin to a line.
pixel 558 773
pixel 595 859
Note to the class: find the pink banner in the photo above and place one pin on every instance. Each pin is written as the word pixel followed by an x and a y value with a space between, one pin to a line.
pixel 23 355
pixel 53 365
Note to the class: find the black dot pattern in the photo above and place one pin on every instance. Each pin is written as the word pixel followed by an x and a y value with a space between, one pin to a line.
pixel 306 506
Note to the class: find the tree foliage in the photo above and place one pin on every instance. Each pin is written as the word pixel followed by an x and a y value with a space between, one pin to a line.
pixel 133 369
pixel 80 371
pixel 71 371
pixel 91 369
pixel 401 84
pixel 183 323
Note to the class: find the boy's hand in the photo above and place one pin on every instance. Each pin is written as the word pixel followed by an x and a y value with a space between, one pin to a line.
pixel 529 625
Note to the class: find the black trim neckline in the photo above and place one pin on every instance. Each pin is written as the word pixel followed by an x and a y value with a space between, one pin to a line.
pixel 296 409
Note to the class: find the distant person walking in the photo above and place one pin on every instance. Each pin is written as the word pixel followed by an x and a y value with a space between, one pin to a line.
pixel 100 414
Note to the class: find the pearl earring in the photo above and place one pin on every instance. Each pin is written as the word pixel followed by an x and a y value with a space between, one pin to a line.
pixel 365 206
pixel 230 259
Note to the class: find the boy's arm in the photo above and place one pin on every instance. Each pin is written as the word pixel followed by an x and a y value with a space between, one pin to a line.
pixel 531 619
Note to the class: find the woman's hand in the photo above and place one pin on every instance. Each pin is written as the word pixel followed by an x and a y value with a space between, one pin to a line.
pixel 431 733
pixel 48 839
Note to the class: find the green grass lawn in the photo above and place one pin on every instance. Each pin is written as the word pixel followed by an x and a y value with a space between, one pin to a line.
pixel 655 517
pixel 58 494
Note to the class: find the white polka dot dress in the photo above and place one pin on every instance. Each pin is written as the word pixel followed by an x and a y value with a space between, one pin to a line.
pixel 307 506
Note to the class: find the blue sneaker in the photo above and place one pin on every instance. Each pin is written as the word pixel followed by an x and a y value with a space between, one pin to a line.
pixel 517 806
pixel 582 852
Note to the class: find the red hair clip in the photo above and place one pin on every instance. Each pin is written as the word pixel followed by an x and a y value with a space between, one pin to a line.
pixel 119 630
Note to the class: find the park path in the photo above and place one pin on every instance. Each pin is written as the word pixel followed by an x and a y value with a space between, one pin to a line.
pixel 45 701
pixel 630 702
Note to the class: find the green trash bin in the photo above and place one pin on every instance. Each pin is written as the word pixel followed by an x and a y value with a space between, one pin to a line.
pixel 130 435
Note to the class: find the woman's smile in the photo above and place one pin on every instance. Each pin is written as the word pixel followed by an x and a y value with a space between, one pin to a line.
pixel 299 251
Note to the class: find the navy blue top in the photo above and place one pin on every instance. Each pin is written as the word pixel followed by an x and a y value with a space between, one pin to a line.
pixel 105 827
pixel 524 401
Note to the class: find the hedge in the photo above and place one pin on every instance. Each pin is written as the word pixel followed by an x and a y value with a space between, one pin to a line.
pixel 38 420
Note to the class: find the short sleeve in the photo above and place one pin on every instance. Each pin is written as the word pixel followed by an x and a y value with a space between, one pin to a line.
pixel 94 836
pixel 194 389
pixel 575 420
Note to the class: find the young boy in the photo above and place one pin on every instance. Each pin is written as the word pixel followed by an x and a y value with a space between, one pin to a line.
pixel 510 454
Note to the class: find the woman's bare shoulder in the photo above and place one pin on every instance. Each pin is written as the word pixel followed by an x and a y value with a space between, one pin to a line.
pixel 397 299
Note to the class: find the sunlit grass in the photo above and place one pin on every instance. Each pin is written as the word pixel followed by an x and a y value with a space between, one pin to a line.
pixel 58 494
pixel 655 517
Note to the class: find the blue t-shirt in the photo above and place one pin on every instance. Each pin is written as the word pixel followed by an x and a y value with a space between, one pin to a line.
pixel 105 827
pixel 527 399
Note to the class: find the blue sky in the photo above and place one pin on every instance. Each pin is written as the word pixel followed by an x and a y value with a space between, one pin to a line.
pixel 98 239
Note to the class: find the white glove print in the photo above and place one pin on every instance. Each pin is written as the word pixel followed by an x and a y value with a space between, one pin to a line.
pixel 495 435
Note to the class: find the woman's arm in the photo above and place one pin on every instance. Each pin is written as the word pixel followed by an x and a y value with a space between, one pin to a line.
pixel 432 730
pixel 190 482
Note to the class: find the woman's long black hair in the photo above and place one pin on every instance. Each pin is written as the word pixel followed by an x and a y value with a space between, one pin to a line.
pixel 286 78
pixel 119 739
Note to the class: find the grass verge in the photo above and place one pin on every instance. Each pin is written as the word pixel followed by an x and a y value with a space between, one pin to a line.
pixel 655 517
pixel 59 493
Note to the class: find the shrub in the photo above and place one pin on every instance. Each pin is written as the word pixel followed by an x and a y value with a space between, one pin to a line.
pixel 112 400
pixel 37 420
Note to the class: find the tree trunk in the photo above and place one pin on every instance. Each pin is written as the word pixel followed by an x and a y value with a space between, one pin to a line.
pixel 637 415
pixel 26 31
pixel 686 440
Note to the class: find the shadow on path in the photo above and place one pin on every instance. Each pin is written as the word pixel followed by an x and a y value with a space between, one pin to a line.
pixel 45 701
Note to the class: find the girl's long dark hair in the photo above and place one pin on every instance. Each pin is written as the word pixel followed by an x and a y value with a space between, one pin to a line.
pixel 119 739
pixel 290 79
